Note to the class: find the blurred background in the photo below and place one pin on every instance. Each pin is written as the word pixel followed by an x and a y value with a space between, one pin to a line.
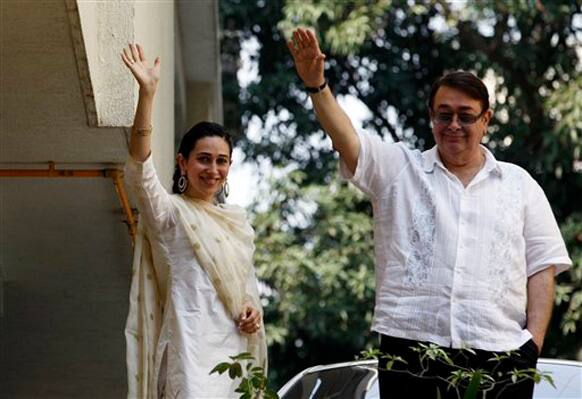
pixel 65 247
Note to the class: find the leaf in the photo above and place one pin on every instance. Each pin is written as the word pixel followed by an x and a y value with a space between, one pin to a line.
pixel 269 394
pixel 473 388
pixel 242 356
pixel 220 368
pixel 549 379
pixel 235 371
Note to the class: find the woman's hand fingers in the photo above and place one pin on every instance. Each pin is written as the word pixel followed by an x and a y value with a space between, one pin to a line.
pixel 250 320
pixel 134 52
pixel 127 57
pixel 141 53
pixel 134 58
pixel 126 60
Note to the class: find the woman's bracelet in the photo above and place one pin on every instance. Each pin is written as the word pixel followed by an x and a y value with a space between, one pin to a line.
pixel 142 131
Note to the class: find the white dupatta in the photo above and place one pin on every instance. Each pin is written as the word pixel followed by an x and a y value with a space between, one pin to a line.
pixel 223 244
pixel 144 321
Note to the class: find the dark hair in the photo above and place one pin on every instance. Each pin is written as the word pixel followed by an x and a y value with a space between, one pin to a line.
pixel 465 82
pixel 197 132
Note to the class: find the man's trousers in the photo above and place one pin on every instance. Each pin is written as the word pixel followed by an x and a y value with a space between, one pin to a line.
pixel 430 376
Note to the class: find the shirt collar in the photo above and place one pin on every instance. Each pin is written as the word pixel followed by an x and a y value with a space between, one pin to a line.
pixel 431 158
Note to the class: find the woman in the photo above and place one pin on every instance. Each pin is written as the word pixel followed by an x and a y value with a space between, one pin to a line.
pixel 194 298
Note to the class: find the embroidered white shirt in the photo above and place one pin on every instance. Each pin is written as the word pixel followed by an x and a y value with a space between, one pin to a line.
pixel 452 262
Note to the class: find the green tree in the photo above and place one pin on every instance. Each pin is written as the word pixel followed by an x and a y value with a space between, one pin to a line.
pixel 315 248
pixel 387 53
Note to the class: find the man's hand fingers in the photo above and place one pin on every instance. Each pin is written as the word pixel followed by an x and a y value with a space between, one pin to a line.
pixel 297 40
pixel 312 39
pixel 304 37
pixel 292 48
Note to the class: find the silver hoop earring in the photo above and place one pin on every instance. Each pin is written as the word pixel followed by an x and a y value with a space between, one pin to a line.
pixel 182 184
pixel 225 189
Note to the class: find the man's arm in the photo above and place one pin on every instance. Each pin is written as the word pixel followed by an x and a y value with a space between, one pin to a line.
pixel 540 302
pixel 309 63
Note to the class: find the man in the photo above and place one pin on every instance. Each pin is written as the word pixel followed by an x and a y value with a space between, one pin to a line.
pixel 466 247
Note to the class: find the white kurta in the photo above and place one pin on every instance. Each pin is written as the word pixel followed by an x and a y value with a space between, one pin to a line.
pixel 196 332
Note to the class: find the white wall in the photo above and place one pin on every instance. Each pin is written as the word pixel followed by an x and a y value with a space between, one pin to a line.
pixel 154 29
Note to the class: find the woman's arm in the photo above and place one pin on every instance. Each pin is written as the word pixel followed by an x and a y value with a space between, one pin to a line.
pixel 134 58
pixel 140 175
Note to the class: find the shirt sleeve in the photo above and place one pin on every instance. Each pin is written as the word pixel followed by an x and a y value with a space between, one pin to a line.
pixel 379 163
pixel 152 198
pixel 544 244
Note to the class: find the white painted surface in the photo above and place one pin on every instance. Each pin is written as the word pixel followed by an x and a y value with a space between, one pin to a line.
pixel 154 28
pixel 107 28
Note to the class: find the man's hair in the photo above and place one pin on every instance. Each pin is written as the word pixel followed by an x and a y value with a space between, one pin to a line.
pixel 465 82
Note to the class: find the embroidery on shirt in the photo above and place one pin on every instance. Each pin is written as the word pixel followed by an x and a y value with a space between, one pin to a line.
pixel 507 227
pixel 421 235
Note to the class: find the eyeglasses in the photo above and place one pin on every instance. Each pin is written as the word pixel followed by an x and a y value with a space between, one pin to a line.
pixel 464 119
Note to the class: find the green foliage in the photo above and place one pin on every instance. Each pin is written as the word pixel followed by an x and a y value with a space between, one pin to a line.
pixel 348 23
pixel 473 388
pixel 569 289
pixel 563 339
pixel 253 381
pixel 315 250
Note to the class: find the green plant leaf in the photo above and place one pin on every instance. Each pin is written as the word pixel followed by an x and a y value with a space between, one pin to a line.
pixel 235 371
pixel 269 394
pixel 220 368
pixel 473 388
pixel 242 356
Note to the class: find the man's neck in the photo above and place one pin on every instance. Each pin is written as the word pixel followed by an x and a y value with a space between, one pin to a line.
pixel 465 168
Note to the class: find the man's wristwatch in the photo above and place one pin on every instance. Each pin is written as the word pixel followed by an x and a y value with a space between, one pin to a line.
pixel 313 90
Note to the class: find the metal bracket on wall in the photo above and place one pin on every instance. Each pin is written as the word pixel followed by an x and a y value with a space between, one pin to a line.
pixel 115 174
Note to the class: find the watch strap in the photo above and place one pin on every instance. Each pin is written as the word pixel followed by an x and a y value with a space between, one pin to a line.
pixel 313 90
